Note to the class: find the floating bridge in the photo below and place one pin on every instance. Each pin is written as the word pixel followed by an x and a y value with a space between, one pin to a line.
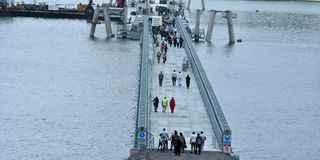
pixel 197 108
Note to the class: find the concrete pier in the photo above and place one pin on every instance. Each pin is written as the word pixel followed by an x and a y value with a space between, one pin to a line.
pixel 94 21
pixel 210 25
pixel 107 22
pixel 197 26
pixel 188 4
pixel 230 27
pixel 203 5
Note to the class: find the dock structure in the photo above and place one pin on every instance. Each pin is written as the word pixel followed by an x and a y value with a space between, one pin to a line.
pixel 197 108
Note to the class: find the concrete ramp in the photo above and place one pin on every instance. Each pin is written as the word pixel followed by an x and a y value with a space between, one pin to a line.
pixel 169 155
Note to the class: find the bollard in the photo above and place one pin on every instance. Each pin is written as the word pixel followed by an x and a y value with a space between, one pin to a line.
pixel 197 26
pixel 230 26
pixel 107 22
pixel 202 2
pixel 210 25
pixel 94 21
pixel 188 6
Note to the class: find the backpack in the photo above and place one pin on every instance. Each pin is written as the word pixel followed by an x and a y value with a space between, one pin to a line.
pixel 198 140
pixel 176 141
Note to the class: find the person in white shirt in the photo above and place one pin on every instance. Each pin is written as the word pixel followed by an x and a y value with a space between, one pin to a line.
pixel 193 142
pixel 203 137
pixel 164 137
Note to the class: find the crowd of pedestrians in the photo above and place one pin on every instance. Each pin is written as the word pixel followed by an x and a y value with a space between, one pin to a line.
pixel 178 142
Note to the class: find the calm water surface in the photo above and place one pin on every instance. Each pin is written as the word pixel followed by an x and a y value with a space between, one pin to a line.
pixel 268 85
pixel 65 96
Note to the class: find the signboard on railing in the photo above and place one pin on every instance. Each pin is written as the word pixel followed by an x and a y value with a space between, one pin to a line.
pixel 142 140
pixel 226 143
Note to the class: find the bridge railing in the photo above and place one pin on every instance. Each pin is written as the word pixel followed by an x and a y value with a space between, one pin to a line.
pixel 215 113
pixel 142 125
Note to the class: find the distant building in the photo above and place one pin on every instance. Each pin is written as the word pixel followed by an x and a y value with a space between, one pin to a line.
pixel 3 1
pixel 3 4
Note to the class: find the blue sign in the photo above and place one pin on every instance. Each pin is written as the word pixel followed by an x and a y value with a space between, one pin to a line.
pixel 226 139
pixel 142 136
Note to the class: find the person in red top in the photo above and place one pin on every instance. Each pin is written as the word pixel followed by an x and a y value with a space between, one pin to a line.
pixel 172 104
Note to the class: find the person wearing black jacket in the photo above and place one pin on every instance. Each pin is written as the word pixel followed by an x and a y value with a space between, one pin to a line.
pixel 155 104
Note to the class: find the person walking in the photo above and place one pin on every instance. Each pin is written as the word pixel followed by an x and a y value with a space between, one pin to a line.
pixel 174 77
pixel 158 56
pixel 160 78
pixel 198 144
pixel 179 77
pixel 164 56
pixel 177 145
pixel 171 40
pixel 165 49
pixel 193 138
pixel 164 104
pixel 172 139
pixel 155 104
pixel 178 42
pixel 203 138
pixel 164 138
pixel 181 42
pixel 188 78
pixel 175 41
pixel 172 104
pixel 183 143
pixel 163 43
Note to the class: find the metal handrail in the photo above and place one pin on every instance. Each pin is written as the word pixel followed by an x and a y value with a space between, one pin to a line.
pixel 143 100
pixel 215 113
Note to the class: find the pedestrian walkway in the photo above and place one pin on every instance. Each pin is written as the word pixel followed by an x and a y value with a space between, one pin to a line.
pixel 155 155
pixel 190 114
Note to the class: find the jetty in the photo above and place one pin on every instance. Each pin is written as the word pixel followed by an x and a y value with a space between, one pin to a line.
pixel 197 107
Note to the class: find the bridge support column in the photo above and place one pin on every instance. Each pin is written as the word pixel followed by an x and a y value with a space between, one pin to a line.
pixel 94 21
pixel 107 22
pixel 197 27
pixel 202 2
pixel 230 26
pixel 210 25
pixel 188 5
pixel 125 17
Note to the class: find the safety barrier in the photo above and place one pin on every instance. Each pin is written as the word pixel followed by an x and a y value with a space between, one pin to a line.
pixel 215 113
pixel 142 125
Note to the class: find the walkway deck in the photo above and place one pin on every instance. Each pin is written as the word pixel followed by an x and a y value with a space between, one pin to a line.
pixel 190 113
pixel 169 155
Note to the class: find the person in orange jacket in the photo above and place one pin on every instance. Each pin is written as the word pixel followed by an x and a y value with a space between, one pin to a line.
pixel 172 104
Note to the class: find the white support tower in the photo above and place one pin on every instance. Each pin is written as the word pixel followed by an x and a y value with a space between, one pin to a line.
pixel 210 25
pixel 107 22
pixel 202 2
pixel 94 21
pixel 230 26
pixel 125 16
pixel 188 5
pixel 197 26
